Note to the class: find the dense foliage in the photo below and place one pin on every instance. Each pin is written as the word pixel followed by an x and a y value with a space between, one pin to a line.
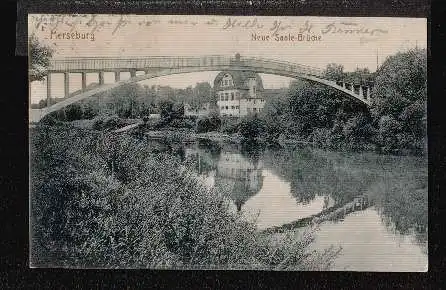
pixel 395 122
pixel 39 57
pixel 101 201
pixel 399 102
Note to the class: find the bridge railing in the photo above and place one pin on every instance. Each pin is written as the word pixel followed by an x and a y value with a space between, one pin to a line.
pixel 111 63
pixel 281 65
pixel 93 63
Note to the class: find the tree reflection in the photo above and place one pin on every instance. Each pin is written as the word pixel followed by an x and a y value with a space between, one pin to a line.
pixel 403 203
pixel 396 185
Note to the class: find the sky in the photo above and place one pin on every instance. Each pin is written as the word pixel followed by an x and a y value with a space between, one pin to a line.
pixel 353 42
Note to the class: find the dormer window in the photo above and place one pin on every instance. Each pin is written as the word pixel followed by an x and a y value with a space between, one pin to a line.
pixel 227 80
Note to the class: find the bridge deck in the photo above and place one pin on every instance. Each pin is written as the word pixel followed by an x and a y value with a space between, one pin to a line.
pixel 82 64
pixel 165 65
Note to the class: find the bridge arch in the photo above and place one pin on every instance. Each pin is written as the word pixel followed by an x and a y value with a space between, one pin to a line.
pixel 211 64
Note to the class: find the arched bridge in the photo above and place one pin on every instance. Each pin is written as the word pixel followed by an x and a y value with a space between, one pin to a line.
pixel 142 68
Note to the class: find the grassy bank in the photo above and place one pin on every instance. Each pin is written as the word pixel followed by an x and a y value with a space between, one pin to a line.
pixel 99 201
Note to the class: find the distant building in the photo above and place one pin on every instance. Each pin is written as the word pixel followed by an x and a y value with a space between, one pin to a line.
pixel 239 93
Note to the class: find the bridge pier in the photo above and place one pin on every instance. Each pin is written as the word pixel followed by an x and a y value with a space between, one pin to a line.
pixel 101 77
pixel 66 84
pixel 48 89
pixel 133 73
pixel 84 81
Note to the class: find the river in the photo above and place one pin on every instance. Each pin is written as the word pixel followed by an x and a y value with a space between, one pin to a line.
pixel 278 186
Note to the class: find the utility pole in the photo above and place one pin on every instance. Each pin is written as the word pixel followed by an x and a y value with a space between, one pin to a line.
pixel 377 59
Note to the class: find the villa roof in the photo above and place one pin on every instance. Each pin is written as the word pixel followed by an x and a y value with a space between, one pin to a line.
pixel 239 78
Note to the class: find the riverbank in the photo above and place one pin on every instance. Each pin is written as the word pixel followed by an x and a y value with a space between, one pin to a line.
pixel 113 202
pixel 120 125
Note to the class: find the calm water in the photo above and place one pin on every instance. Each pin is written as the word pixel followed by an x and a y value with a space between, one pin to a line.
pixel 279 186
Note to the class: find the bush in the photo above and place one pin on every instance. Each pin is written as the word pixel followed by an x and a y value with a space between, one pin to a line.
pixel 73 112
pixel 208 124
pixel 230 125
pixel 252 127
pixel 182 123
pixel 108 123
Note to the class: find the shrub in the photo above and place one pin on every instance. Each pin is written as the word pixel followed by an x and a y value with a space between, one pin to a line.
pixel 73 112
pixel 230 125
pixel 182 123
pixel 207 124
pixel 108 123
pixel 252 127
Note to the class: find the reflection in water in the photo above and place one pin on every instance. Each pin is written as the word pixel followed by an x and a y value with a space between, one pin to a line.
pixel 275 206
pixel 369 246
pixel 240 175
pixel 285 185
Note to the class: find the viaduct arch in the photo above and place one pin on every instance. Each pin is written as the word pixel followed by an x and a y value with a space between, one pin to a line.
pixel 153 67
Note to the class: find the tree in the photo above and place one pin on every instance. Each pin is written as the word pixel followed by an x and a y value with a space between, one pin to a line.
pixel 312 106
pixel 399 101
pixel 361 76
pixel 39 57
pixel 166 109
pixel 334 72
pixel 203 92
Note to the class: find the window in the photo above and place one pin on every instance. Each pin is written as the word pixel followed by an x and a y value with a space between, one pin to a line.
pixel 232 96
pixel 254 89
pixel 226 96
pixel 254 109
pixel 227 80
pixel 238 95
pixel 226 107
pixel 232 107
pixel 254 101
pixel 236 107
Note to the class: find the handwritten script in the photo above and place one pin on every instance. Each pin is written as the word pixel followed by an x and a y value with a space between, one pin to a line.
pixel 114 23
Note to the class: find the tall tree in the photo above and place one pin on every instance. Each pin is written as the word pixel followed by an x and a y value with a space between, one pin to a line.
pixel 39 58
pixel 399 97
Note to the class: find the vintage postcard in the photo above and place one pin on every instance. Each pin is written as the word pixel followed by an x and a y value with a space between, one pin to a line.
pixel 228 142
